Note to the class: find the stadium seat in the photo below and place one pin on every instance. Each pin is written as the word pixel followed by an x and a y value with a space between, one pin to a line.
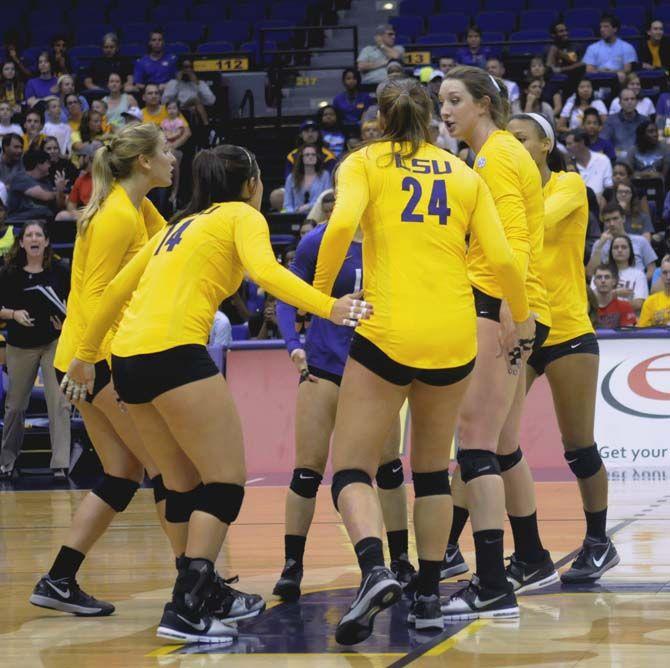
pixel 44 33
pixel 294 12
pixel 91 33
pixel 496 21
pixel 556 5
pixel 249 12
pixel 240 332
pixel 133 50
pixel 531 49
pixel 177 48
pixel 493 36
pixel 280 36
pixel 504 5
pixel 133 7
pixel 234 31
pixel 440 38
pixel 416 7
pixel 585 17
pixel 662 13
pixel 216 47
pixel 84 52
pixel 408 25
pixel 31 54
pixel 537 19
pixel 603 5
pixel 632 16
pixel 120 17
pixel 91 14
pixel 452 22
pixel 167 14
pixel 254 48
pixel 184 31
pixel 136 32
pixel 465 6
pixel 581 33
pixel 404 39
pixel 47 16
pixel 208 13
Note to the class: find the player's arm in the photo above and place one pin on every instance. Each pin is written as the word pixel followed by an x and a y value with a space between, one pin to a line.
pixel 153 220
pixel 485 223
pixel 353 197
pixel 115 295
pixel 252 241
pixel 568 196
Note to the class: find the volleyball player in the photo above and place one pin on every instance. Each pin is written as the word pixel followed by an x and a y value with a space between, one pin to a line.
pixel 570 354
pixel 321 364
pixel 475 109
pixel 176 396
pixel 415 204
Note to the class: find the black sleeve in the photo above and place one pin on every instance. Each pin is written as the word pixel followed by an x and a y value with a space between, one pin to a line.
pixel 8 297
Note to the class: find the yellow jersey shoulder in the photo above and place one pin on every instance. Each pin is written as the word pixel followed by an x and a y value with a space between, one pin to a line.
pixel 571 180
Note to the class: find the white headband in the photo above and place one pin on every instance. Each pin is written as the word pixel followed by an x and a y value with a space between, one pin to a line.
pixel 546 128
pixel 495 83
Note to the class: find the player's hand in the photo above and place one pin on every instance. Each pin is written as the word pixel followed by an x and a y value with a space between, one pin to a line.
pixel 78 380
pixel 299 358
pixel 23 318
pixel 350 309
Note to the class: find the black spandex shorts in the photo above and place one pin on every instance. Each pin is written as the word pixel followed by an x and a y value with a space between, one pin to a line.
pixel 326 375
pixel 103 376
pixel 586 344
pixel 139 379
pixel 376 360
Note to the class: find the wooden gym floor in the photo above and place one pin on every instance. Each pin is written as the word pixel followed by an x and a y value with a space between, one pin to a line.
pixel 623 621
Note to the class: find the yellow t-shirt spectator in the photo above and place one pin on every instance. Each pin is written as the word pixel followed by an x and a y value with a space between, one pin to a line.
pixel 655 311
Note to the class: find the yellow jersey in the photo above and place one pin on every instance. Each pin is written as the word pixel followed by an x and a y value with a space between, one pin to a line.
pixel 178 281
pixel 516 186
pixel 566 217
pixel 415 214
pixel 655 311
pixel 113 236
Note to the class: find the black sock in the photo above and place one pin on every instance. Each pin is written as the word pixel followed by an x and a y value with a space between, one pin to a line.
pixel 457 523
pixel 294 547
pixel 490 559
pixel 66 564
pixel 527 544
pixel 428 581
pixel 398 544
pixel 370 553
pixel 596 525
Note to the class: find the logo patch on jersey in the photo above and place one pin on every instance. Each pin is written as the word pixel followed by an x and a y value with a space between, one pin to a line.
pixel 481 162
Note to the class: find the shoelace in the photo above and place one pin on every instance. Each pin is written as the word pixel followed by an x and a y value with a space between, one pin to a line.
pixel 460 592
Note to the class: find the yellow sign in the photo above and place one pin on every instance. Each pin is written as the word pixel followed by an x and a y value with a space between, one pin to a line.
pixel 306 81
pixel 417 57
pixel 221 65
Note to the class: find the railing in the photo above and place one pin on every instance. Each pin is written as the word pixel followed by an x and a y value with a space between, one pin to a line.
pixel 248 100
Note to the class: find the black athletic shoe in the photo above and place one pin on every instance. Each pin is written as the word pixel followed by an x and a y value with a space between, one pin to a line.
pixel 193 627
pixel 403 570
pixel 425 613
pixel 476 602
pixel 527 576
pixel 230 605
pixel 592 561
pixel 453 563
pixel 65 595
pixel 288 585
pixel 378 591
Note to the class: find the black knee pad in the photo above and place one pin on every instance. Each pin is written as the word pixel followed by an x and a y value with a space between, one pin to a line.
pixel 305 483
pixel 116 492
pixel 346 477
pixel 223 500
pixel 180 505
pixel 159 488
pixel 508 462
pixel 431 484
pixel 476 463
pixel 390 475
pixel 584 462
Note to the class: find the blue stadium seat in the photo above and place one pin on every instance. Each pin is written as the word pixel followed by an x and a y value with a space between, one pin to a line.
pixel 208 13
pixel 31 54
pixel 465 6
pixel 234 31
pixel 504 5
pixel 47 15
pixel 89 33
pixel 530 49
pixel 120 17
pixel 662 13
pixel 585 17
pixel 537 19
pixel 416 7
pixel 133 7
pixel 556 5
pixel 167 14
pixel 295 12
pixel 136 32
pixel 91 14
pixel 254 48
pixel 496 21
pixel 452 22
pixel 184 31
pixel 603 5
pixel 408 25
pixel 240 332
pixel 280 36
pixel 631 31
pixel 85 52
pixel 133 50
pixel 404 39
pixel 492 36
pixel 45 32
pixel 177 48
pixel 581 33
pixel 437 38
pixel 216 47
pixel 252 12
pixel 632 16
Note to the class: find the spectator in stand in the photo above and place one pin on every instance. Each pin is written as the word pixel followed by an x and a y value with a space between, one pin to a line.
pixel 90 130
pixel 58 163
pixel 644 105
pixel 331 130
pixel 75 111
pixel 370 130
pixel 613 218
pixel 620 128
pixel 177 132
pixel 649 158
pixel 495 68
pixel 111 61
pixel 632 283
pixel 55 127
pixel 446 63
pixel 12 89
pixel 592 124
pixel 192 94
pixel 655 51
pixel 6 231
pixel 12 39
pixel 153 111
pixel 65 88
pixel 563 56
pixel 572 114
pixel 612 311
pixel 372 59
pixel 11 162
pixel 663 115
pixel 43 86
pixel 59 56
pixel 323 207
pixel 33 331
pixel 610 54
pixel 307 180
pixel 656 308
pixel 83 185
pixel 156 67
pixel 636 220
pixel 33 126
pixel 594 168
pixel 30 194
pixel 310 135
pixel 100 107
pixel 531 100
pixel 6 125
pixel 351 103
pixel 474 53
pixel 264 325
pixel 307 227
pixel 551 95
pixel 395 69
pixel 117 101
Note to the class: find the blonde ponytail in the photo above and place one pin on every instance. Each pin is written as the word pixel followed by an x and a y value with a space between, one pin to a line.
pixel 103 180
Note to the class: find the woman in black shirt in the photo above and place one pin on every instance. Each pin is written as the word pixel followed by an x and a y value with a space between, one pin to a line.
pixel 32 292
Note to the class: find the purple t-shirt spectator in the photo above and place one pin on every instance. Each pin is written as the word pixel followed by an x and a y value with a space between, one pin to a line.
pixel 351 109
pixel 149 70
pixel 465 57
pixel 40 88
